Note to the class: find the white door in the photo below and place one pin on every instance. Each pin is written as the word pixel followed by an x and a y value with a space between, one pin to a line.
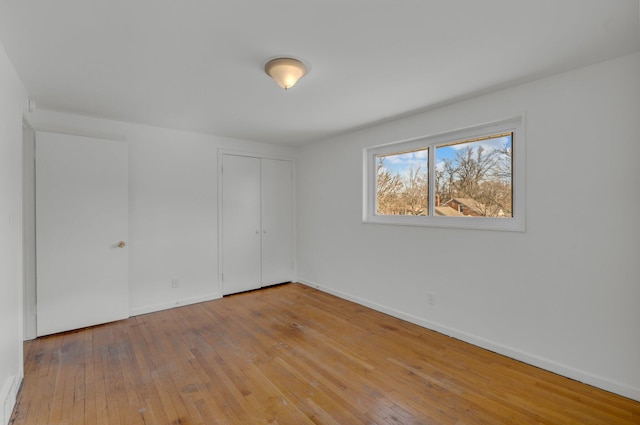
pixel 241 230
pixel 81 218
pixel 277 221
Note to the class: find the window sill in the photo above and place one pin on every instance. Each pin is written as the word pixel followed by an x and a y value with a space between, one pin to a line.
pixel 477 223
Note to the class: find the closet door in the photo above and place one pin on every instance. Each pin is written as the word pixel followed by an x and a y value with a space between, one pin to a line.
pixel 241 227
pixel 277 221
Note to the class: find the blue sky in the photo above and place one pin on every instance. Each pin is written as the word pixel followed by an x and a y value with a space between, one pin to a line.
pixel 403 162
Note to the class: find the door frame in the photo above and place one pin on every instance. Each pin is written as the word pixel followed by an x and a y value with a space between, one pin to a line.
pixel 254 154
pixel 29 310
pixel 29 268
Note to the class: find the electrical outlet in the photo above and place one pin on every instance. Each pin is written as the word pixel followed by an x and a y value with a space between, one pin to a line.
pixel 431 298
pixel 175 283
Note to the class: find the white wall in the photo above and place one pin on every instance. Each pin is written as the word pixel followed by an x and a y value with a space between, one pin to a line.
pixel 564 294
pixel 172 206
pixel 12 100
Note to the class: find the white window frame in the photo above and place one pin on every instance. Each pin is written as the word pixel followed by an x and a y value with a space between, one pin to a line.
pixel 515 223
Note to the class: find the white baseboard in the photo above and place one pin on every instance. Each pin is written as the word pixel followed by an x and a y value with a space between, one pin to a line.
pixel 165 306
pixel 8 397
pixel 532 359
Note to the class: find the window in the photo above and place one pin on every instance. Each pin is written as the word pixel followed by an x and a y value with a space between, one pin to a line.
pixel 403 183
pixel 471 178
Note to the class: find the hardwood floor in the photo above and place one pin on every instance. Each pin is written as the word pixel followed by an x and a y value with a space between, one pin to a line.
pixel 291 355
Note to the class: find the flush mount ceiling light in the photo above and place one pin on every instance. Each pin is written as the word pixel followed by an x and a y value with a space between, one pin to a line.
pixel 285 71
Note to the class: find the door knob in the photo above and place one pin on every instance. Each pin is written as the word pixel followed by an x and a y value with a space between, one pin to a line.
pixel 121 244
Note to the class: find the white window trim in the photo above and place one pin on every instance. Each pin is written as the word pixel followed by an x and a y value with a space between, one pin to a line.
pixel 515 223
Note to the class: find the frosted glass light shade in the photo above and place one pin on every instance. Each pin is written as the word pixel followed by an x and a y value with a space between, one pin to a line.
pixel 285 71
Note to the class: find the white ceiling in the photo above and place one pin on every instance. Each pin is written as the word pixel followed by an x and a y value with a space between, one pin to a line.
pixel 198 64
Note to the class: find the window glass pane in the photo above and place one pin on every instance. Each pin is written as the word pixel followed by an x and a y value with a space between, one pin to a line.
pixel 474 177
pixel 403 183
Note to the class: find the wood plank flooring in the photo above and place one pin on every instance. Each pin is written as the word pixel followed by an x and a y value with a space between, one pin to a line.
pixel 291 355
